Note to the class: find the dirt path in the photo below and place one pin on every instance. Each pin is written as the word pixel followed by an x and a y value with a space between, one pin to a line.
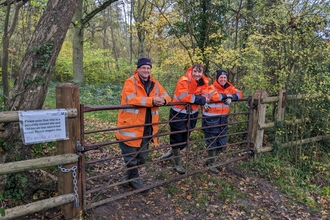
pixel 229 195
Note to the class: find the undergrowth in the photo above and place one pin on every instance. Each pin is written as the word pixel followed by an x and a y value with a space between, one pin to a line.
pixel 307 182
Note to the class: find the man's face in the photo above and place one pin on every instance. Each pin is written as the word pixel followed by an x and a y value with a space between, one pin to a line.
pixel 197 73
pixel 222 79
pixel 144 72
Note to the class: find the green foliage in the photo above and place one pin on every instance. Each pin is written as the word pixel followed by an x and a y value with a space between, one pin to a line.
pixel 38 81
pixel 171 189
pixel 100 94
pixel 306 181
pixel 44 149
pixel 326 191
pixel 43 54
pixel 13 187
pixel 203 22
pixel 98 66
pixel 41 4
pixel 4 145
pixel 229 192
pixel 2 211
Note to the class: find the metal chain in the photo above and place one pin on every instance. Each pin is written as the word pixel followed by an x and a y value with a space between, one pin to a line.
pixel 74 180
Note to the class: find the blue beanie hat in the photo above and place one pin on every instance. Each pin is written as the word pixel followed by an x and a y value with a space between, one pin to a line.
pixel 144 61
pixel 221 72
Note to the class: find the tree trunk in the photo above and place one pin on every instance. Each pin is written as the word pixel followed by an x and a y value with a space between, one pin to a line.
pixel 35 72
pixel 36 69
pixel 4 60
pixel 77 46
pixel 140 18
pixel 7 33
pixel 114 47
pixel 78 38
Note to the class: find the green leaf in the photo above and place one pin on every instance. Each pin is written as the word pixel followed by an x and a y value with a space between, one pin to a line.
pixel 2 212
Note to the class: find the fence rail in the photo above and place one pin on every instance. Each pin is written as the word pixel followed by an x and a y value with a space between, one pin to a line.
pixel 69 152
pixel 67 97
pixel 24 165
pixel 259 102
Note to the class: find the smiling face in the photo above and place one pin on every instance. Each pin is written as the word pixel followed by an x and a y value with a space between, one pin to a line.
pixel 222 79
pixel 197 73
pixel 144 72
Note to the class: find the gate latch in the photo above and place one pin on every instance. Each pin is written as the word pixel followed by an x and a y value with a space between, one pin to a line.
pixel 79 148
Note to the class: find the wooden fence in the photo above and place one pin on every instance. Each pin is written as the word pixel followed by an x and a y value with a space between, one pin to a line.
pixel 259 103
pixel 67 96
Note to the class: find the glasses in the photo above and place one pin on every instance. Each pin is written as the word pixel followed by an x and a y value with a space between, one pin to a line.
pixel 145 67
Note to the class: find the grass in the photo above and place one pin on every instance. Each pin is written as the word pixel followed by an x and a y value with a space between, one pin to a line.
pixel 297 181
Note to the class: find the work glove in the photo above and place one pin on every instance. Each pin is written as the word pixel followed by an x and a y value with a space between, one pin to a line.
pixel 206 107
pixel 228 100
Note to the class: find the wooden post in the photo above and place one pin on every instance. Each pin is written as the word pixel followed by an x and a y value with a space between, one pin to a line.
pixel 257 117
pixel 68 96
pixel 281 109
pixel 281 105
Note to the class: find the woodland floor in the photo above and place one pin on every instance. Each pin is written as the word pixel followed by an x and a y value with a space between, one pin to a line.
pixel 251 198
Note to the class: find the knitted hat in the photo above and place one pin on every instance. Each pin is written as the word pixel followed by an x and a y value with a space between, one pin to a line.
pixel 221 72
pixel 144 61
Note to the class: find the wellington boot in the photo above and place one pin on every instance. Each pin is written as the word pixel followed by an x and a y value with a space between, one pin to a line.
pixel 136 184
pixel 168 154
pixel 177 161
pixel 126 177
pixel 211 160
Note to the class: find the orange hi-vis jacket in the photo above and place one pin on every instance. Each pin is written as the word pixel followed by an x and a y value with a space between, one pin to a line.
pixel 133 93
pixel 220 108
pixel 186 90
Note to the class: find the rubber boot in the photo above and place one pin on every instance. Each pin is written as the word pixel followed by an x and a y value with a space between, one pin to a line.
pixel 177 161
pixel 137 183
pixel 168 154
pixel 126 177
pixel 211 160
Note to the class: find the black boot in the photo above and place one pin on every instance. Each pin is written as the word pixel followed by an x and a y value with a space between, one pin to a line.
pixel 210 162
pixel 137 183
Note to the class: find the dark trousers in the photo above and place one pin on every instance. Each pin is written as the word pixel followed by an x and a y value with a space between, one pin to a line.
pixel 217 134
pixel 181 125
pixel 135 156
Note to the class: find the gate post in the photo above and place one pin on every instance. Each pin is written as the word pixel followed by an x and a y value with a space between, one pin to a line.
pixel 68 96
pixel 257 117
pixel 282 98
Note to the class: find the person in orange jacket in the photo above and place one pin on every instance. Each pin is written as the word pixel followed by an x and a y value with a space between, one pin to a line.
pixel 191 88
pixel 216 114
pixel 145 92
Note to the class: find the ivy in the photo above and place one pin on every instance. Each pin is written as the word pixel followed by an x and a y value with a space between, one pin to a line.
pixel 13 190
pixel 2 212
pixel 38 81
pixel 43 55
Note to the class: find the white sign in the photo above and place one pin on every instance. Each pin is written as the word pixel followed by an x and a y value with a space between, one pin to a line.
pixel 43 125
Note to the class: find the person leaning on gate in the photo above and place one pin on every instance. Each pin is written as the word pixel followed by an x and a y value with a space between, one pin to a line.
pixel 142 90
pixel 216 114
pixel 191 88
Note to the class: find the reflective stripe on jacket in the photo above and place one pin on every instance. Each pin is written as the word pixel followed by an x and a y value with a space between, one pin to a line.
pixel 220 108
pixel 185 91
pixel 133 93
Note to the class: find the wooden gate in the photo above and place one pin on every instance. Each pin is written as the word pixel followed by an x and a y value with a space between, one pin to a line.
pixel 104 168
